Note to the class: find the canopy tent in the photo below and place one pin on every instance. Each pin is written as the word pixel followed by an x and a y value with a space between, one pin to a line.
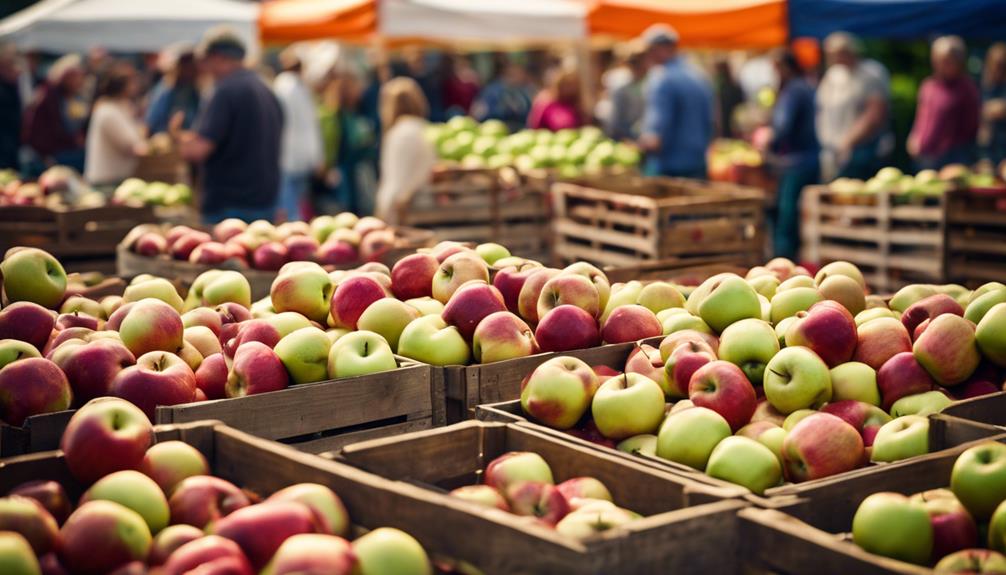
pixel 461 21
pixel 724 24
pixel 898 19
pixel 125 25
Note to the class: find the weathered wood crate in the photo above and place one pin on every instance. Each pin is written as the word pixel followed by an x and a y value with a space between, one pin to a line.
pixel 625 221
pixel 895 242
pixel 986 409
pixel 168 167
pixel 976 237
pixel 683 272
pixel 72 233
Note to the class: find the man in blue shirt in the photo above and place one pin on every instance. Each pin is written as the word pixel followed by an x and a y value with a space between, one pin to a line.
pixel 678 122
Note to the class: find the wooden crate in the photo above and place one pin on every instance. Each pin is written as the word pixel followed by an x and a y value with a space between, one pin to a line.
pixel 986 409
pixel 169 168
pixel 626 221
pixel 896 243
pixel 688 272
pixel 70 234
pixel 976 237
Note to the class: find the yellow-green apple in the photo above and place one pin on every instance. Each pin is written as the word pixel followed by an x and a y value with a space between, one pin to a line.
pixel 566 328
pixel 530 293
pixel 978 479
pixel 622 294
pixel 429 339
pixel 32 386
pixel 368 224
pixel 646 360
pixel 426 305
pixel 313 553
pixel 722 300
pixel 972 561
pixel 874 313
pixel 29 518
pixel 502 335
pixel 722 386
pixel 682 364
pixel 360 353
pixel 471 303
pixel 169 540
pixel 749 344
pixel 689 436
pixel 578 490
pixel 796 281
pixel 211 554
pixel 304 353
pixel 455 271
pixel 765 412
pixel 845 291
pixel 854 380
pixel 828 329
pixel 16 556
pixel 796 417
pixel 352 297
pixel 782 327
pixel 288 322
pixel 345 220
pixel 953 527
pixel 821 445
pixel 211 376
pixel 645 444
pixel 135 491
pixel 568 289
pixel 923 404
pixel 991 334
pixel 865 417
pixel 626 405
pixel 589 522
pixel 228 228
pixel 510 280
pixel 306 290
pixel 387 317
pixel 203 339
pixel 786 303
pixel 875 301
pixel 630 323
pixel 514 467
pixel 746 462
pixel 101 536
pixel 928 309
pixel 388 550
pixel 151 325
pixel 908 295
pixel 256 369
pixel 28 322
pixel 343 235
pixel 158 378
pixel 841 268
pixel 596 277
pixel 658 296
pixel 170 462
pixel 537 499
pixel 49 494
pixel 104 436
pixel 31 274
pixel 947 349
pixel 491 252
pixel 675 319
pixel 83 305
pixel 154 288
pixel 892 525
pixel 322 227
pixel 772 438
pixel 270 256
pixel 559 391
pixel 226 286
pixel 796 378
pixel 706 342
pixel 201 500
pixel 765 284
pixel 330 513
pixel 880 340
pixel 980 305
pixel 997 529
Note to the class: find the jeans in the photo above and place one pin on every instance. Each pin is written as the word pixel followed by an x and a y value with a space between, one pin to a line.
pixel 786 231
pixel 653 168
pixel 293 191
pixel 245 214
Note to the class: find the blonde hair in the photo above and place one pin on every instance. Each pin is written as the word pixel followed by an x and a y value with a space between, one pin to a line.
pixel 401 97
pixel 63 66
pixel 951 46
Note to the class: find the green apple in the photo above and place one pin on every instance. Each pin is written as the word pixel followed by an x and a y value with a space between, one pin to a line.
pixel 645 444
pixel 796 378
pixel 659 296
pixel 222 287
pixel 491 252
pixel 12 350
pixel 746 462
pixel 426 305
pixel 981 305
pixel 845 291
pixel 305 354
pixel 772 439
pixel 901 438
pixel 797 281
pixel 430 340
pixel 288 322
pixel 978 478
pixel 908 295
pixel 765 285
pixel 626 405
pixel 766 308
pixel 360 353
pixel 305 289
pixel 786 303
pixel 782 327
pixel 991 334
pixel 135 491
pixel 156 288
pixel 875 312
pixel 922 404
pixel 627 294
pixel 749 344
pixel 31 274
pixel 689 436
pixel 854 380
pixel 975 561
pixel 891 525
pixel 982 290
pixel 676 319
pixel 724 300
pixel 388 317
pixel 16 555
pixel 796 417
pixel 997 529
pixel 841 268
pixel 388 551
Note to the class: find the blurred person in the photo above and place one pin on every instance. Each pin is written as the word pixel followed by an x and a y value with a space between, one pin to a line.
pixel 507 98
pixel 114 137
pixel 461 85
pixel 407 157
pixel 729 95
pixel 236 137
pixel 627 99
pixel 678 121
pixel 53 125
pixel 853 111
pixel 427 70
pixel 992 134
pixel 946 117
pixel 351 143
pixel 301 149
pixel 557 107
pixel 793 148
pixel 10 107
pixel 176 92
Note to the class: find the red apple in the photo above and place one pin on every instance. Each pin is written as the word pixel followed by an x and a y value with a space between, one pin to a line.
pixel 722 387
pixel 375 244
pixel 202 316
pixel 510 280
pixel 953 527
pixel 470 304
pixel 201 500
pixel 828 329
pixel 681 365
pixel 879 340
pixel 169 540
pixel 91 366
pixel 947 349
pixel 256 369
pixel 28 517
pixel 28 322
pixel 212 555
pixel 566 328
pixel 177 232
pixel 821 445
pixel 336 253
pixel 629 323
pixel 77 319
pixel 646 360
pixel 412 276
pixel 929 308
pixel 151 244
pixel 232 312
pixel 537 499
pixel 902 376
pixel 32 386
pixel 228 228
pixel 502 335
pixel 270 256
pixel 210 253
pixel 182 247
pixel 50 494
pixel 258 330
pixel 329 512
pixel 352 298
pixel 314 553
pixel 530 292
pixel 301 248
pixel 101 537
pixel 211 376
pixel 866 418
pixel 104 436
pixel 158 378
pixel 260 529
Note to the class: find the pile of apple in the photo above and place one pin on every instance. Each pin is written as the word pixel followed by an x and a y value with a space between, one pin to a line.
pixel 58 187
pixel 943 526
pixel 337 240
pixel 137 191
pixel 157 507
pixel 781 375
pixel 905 187
pixel 521 482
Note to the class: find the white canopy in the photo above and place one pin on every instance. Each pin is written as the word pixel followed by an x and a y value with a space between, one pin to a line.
pixel 125 25
pixel 489 21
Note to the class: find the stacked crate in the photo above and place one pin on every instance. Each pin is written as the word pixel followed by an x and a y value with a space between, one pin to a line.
pixel 976 237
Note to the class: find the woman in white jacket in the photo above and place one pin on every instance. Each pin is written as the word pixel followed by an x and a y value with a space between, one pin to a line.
pixel 407 157
pixel 114 137
pixel 301 153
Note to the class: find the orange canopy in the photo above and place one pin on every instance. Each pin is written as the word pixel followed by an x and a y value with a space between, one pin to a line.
pixel 294 21
pixel 724 24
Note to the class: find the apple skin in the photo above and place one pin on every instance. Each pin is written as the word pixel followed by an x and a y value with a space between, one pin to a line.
pixel 336 253
pixel 865 417
pixel 269 256
pixel 990 334
pixel 530 292
pixel 135 491
pixel 104 436
pixel 34 275
pixel 77 319
pixel 749 344
pixel 306 289
pixel 388 550
pixel 658 296
pixel 536 499
pixel 228 228
pixel 626 405
pixel 211 377
pixel 844 290
pixel 210 253
pixel 481 495
pixel 150 244
pixel 765 412
pixel 645 360
pixel 156 288
pixel 953 528
pixel 329 511
pixel 360 353
pixel 682 364
pixel 902 376
pixel 796 378
pixel 559 391
pixel 203 340
pixel 158 378
pixel 168 463
pixel 260 529
pixel 821 445
pixel 101 536
pixel 595 518
pixel 186 243
pixel 304 353
pixel 208 554
pixel 724 300
pixel 429 339
pixel 201 500
pixel 630 323
pixel 387 317
pixel 151 325
pixel 569 289
pixel 901 438
pixel 639 444
pixel 169 540
pixel 28 322
pixel 828 329
pixel 412 276
pixel 514 467
pixel 978 479
pixel 501 336
pixel 746 462
pixel 566 328
pixel 891 525
pixel 689 436
pixel 49 494
pixel 352 298
pixel 31 520
pixel 972 561
pixel 256 369
pixel 578 489
pixel 948 349
pixel 32 386
pixel 788 301
pixel 510 280
pixel 313 553
pixel 596 277
pixel 230 312
pixel 721 386
pixel 470 304
pixel 856 381
pixel 928 309
pixel 455 271
pixel 921 404
pixel 879 340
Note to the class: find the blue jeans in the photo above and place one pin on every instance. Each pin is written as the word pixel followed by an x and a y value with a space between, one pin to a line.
pixel 786 231
pixel 293 190
pixel 246 214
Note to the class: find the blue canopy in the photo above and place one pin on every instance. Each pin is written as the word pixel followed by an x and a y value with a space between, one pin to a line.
pixel 898 19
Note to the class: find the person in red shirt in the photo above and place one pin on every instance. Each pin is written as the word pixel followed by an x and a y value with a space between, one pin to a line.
pixel 558 106
pixel 946 118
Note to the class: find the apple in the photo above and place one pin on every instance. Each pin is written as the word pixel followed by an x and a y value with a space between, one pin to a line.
pixel 210 253
pixel 675 319
pixel 169 540
pixel 426 306
pixel 645 444
pixel 682 364
pixel 658 296
pixel 336 253
pixel 182 247
pixel 626 405
pixel 228 228
pixel 360 353
pixel 151 244
pixel 599 517
pixel 388 550
pixel 256 369
pixel 313 553
pixel 902 376
pixel 721 386
pixel 854 381
pixel 515 467
pixel 844 290
pixel 330 513
pixel 722 300
pixel 749 344
pixel 841 268
pixel 154 288
pixel 559 392
pixel 566 328
pixel 288 322
pixel 787 303
pixel 796 378
pixel 135 491
pixel 704 341
pixel 765 412
pixel 270 256
pixel 828 329
pixel 158 378
pixel 928 309
pixel 765 285
pixel 301 248
pixel 978 479
pixel 446 249
pixel 388 317
pixel 412 276
pixel 622 294
pixel 470 304
pixel 510 280
pixel 211 376
pixel 170 462
pixel 972 561
pixel 530 293
pixel 630 323
pixel 892 525
pixel 202 500
pixel 231 312
pixel 202 339
pixel 500 336
pixel 28 322
pixel 874 313
pixel 429 339
pixel 645 360
pixel 211 554
pixel 947 349
pixel 689 436
pixel 796 417
pixel 304 353
pixel 746 462
pixel 33 275
pixel 352 298
pixel 49 494
pixel 821 445
pixel 910 294
pixel 990 334
pixel 482 495
pixel 306 290
pixel 865 417
pixel 901 438
pixel 151 325
pixel 953 528
pixel 596 277
pixel 579 491
pixel 537 499
pixel 177 232
pixel 30 519
pixel 455 271
pixel 491 252
pixel 101 536
pixel 104 436
pixel 76 303
pixel 32 386
pixel 921 404
pixel 569 289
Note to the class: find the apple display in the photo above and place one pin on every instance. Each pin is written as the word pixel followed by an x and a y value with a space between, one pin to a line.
pixel 947 349
pixel 559 392
pixel 892 525
pixel 821 445
pixel 689 436
pixel 746 462
pixel 749 344
pixel 796 378
pixel 500 336
pixel 360 353
pixel 429 339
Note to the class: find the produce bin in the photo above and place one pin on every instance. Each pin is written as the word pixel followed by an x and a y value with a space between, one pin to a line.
pixel 988 409
pixel 976 236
